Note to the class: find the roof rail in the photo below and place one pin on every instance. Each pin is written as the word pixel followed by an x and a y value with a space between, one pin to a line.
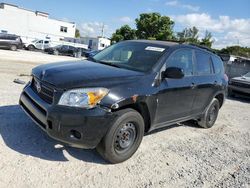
pixel 201 46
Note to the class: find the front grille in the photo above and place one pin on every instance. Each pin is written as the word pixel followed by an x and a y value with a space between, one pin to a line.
pixel 44 91
pixel 240 84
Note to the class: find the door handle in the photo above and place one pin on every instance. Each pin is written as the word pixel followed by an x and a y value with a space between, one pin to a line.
pixel 192 86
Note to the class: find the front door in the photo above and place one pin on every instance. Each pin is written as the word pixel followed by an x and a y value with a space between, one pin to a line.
pixel 176 96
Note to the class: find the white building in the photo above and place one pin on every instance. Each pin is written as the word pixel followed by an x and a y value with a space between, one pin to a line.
pixel 32 25
pixel 96 43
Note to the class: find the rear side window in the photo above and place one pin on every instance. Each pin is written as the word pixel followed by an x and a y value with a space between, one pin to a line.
pixel 182 59
pixel 203 63
pixel 218 65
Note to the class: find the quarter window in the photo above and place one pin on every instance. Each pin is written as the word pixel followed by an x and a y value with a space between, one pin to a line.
pixel 203 63
pixel 182 59
pixel 218 65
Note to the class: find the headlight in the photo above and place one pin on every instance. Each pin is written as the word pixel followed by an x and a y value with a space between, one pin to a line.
pixel 83 98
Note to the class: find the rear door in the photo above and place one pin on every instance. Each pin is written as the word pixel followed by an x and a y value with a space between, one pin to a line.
pixel 46 44
pixel 205 81
pixel 176 96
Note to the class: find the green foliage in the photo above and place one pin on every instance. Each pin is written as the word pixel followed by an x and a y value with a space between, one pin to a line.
pixel 192 35
pixel 153 25
pixel 207 40
pixel 236 50
pixel 77 33
pixel 189 35
pixel 124 33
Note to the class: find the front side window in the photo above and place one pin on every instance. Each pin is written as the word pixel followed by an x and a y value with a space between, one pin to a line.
pixel 137 56
pixel 63 29
pixel 203 63
pixel 182 59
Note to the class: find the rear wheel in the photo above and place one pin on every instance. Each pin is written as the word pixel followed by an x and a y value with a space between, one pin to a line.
pixel 211 114
pixel 13 47
pixel 123 138
pixel 31 47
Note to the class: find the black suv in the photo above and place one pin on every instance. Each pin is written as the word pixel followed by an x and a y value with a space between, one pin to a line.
pixel 63 50
pixel 130 88
pixel 11 42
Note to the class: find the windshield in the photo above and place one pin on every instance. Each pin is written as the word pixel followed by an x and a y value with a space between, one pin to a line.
pixel 247 75
pixel 137 56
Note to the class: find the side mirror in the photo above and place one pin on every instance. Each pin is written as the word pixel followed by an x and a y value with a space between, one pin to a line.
pixel 173 72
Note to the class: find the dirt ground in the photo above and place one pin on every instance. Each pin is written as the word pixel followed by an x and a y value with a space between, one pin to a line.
pixel 178 156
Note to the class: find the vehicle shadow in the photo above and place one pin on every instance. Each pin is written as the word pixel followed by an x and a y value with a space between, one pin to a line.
pixel 22 135
pixel 240 98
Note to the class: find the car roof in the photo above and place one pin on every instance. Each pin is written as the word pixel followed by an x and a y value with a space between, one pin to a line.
pixel 177 45
pixel 157 42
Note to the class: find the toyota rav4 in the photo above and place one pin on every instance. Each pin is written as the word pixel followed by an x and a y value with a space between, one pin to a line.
pixel 111 100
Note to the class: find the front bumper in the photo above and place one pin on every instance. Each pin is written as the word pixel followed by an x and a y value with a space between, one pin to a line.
pixel 243 90
pixel 76 127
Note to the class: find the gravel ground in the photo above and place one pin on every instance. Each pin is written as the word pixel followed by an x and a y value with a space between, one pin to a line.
pixel 179 156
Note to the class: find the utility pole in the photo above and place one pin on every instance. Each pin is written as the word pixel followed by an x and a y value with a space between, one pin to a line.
pixel 102 30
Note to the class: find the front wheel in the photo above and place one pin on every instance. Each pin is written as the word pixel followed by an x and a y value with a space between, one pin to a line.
pixel 56 52
pixel 31 48
pixel 123 138
pixel 211 114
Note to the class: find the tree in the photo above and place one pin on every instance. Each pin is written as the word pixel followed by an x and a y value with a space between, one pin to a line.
pixel 124 33
pixel 236 50
pixel 189 35
pixel 207 40
pixel 154 26
pixel 77 33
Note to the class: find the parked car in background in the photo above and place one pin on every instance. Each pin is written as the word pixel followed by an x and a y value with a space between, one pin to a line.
pixel 125 91
pixel 93 53
pixel 11 42
pixel 64 50
pixel 239 85
pixel 89 53
pixel 37 45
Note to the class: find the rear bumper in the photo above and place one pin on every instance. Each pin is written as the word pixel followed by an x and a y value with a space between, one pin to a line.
pixel 80 128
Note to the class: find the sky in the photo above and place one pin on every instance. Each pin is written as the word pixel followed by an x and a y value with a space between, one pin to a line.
pixel 227 20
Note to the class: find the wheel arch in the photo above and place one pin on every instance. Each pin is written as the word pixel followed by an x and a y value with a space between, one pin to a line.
pixel 220 97
pixel 141 108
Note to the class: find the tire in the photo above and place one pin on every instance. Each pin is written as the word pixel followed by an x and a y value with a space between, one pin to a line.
pixel 211 114
pixel 31 48
pixel 123 138
pixel 13 48
pixel 56 52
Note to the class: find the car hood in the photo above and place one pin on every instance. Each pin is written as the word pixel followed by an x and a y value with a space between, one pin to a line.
pixel 241 79
pixel 74 74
